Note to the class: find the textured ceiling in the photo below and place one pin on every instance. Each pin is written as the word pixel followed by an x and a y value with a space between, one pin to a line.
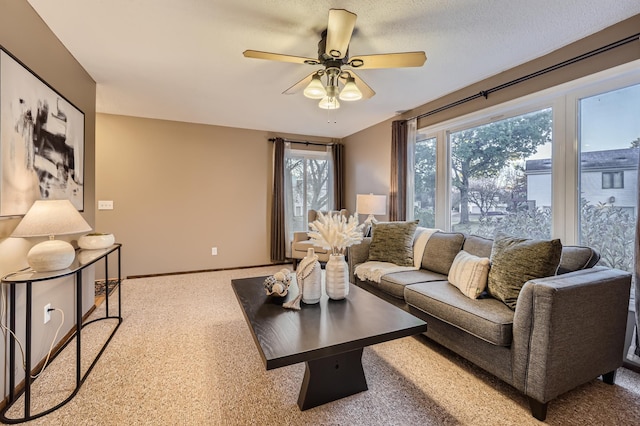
pixel 182 59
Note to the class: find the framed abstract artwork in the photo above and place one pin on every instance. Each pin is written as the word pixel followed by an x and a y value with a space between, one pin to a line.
pixel 41 141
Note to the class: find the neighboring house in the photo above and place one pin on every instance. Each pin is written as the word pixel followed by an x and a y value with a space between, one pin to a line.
pixel 608 177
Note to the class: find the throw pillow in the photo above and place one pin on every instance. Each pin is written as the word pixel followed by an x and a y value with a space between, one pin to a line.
pixel 440 251
pixel 393 242
pixel 514 261
pixel 469 273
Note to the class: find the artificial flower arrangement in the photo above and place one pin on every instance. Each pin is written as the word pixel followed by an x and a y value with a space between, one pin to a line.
pixel 333 231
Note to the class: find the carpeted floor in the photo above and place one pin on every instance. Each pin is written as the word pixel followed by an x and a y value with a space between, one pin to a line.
pixel 184 356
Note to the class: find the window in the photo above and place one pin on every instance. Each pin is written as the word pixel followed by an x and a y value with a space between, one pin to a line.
pixel 562 163
pixel 308 186
pixel 609 138
pixel 613 180
pixel 424 190
pixel 500 178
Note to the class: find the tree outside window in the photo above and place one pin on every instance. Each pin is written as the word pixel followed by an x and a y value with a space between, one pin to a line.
pixel 308 175
pixel 488 179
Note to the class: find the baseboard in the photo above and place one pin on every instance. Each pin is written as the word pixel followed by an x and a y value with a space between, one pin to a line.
pixel 631 366
pixel 164 274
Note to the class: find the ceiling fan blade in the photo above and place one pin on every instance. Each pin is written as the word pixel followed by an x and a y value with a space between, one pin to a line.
pixel 367 92
pixel 339 30
pixel 278 57
pixel 389 60
pixel 299 85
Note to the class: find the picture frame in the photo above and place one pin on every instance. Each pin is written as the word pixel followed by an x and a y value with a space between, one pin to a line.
pixel 41 141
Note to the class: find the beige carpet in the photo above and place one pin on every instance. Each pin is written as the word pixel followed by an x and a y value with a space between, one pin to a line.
pixel 184 356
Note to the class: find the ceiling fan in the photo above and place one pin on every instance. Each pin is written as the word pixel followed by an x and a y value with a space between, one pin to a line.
pixel 333 55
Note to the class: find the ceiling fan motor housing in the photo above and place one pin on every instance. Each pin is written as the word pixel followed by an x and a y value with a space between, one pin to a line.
pixel 323 57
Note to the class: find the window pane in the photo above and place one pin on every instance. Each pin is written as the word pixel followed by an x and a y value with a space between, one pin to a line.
pixel 309 175
pixel 609 140
pixel 501 177
pixel 317 178
pixel 425 182
pixel 294 174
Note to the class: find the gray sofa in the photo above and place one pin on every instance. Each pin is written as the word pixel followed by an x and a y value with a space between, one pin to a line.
pixel 566 329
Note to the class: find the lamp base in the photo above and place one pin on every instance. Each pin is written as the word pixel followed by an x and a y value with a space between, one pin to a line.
pixel 51 255
pixel 369 221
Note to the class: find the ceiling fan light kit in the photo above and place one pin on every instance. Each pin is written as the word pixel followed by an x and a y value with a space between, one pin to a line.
pixel 350 91
pixel 329 103
pixel 333 54
pixel 315 89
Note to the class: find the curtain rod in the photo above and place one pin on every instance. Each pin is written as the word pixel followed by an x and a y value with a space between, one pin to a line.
pixel 485 93
pixel 304 142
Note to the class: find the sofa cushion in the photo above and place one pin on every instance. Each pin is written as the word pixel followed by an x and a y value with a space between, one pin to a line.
pixel 441 249
pixel 488 318
pixel 478 246
pixel 469 274
pixel 514 261
pixel 395 283
pixel 393 242
pixel 575 258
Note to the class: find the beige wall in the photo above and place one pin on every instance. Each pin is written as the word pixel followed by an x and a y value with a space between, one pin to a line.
pixel 369 151
pixel 368 164
pixel 24 34
pixel 180 189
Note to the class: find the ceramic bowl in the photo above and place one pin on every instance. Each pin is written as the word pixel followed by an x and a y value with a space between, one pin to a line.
pixel 96 241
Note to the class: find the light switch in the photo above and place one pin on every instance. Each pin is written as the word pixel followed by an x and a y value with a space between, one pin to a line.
pixel 105 205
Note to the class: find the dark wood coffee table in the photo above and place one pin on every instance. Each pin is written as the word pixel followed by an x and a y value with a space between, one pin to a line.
pixel 329 336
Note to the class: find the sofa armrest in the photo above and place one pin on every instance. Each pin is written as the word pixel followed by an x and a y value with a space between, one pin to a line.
pixel 569 329
pixel 299 236
pixel 357 254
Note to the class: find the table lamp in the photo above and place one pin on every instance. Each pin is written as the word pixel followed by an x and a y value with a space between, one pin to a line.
pixel 372 205
pixel 51 218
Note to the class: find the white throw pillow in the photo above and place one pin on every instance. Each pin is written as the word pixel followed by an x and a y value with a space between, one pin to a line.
pixel 469 273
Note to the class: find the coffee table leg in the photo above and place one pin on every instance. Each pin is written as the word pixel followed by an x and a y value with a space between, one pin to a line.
pixel 331 378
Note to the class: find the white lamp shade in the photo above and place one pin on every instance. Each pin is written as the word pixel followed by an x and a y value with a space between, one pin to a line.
pixel 371 204
pixel 51 217
pixel 315 89
pixel 350 92
pixel 329 103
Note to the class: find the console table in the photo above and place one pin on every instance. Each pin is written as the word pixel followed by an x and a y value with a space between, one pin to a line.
pixel 26 277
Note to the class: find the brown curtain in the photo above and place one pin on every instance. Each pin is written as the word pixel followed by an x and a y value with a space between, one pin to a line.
pixel 277 206
pixel 337 151
pixel 398 184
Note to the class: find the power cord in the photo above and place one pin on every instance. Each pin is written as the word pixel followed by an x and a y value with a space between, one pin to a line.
pixel 5 329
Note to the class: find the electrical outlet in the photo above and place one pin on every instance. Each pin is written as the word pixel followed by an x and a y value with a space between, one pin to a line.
pixel 214 251
pixel 47 314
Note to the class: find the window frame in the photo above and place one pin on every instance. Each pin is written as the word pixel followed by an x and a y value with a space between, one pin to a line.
pixel 564 101
pixel 306 155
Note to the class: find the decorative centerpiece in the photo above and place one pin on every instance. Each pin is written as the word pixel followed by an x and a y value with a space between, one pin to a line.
pixel 336 233
pixel 278 284
pixel 96 240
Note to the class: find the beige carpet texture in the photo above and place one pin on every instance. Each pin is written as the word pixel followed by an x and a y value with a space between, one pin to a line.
pixel 184 355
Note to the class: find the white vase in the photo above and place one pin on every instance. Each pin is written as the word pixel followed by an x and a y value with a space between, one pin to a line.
pixel 309 276
pixel 337 277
